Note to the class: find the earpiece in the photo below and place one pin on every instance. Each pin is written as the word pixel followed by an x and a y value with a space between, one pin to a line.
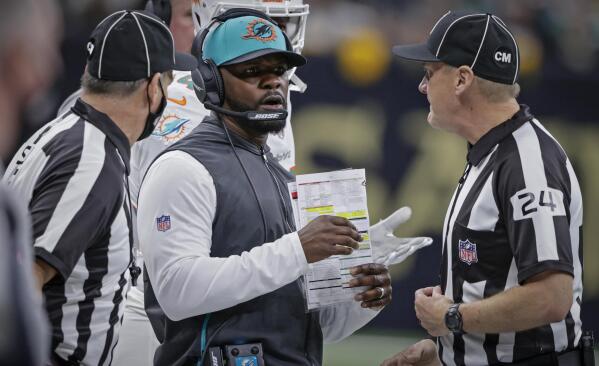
pixel 209 81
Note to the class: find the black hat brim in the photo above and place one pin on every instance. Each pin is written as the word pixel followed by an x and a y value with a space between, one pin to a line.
pixel 294 59
pixel 415 52
pixel 185 62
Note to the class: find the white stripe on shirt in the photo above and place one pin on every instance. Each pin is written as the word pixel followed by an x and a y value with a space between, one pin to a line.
pixel 535 180
pixel 474 352
pixel 27 153
pixel 78 188
pixel 484 213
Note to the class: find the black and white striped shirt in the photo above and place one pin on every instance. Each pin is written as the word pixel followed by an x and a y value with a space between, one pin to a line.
pixel 517 212
pixel 72 173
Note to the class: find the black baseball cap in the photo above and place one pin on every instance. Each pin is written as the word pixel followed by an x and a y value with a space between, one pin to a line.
pixel 481 41
pixel 133 45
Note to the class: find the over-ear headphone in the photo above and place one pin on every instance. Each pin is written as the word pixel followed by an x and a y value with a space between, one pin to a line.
pixel 162 8
pixel 207 79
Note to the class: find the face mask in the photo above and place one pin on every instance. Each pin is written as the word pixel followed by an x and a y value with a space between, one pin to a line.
pixel 153 118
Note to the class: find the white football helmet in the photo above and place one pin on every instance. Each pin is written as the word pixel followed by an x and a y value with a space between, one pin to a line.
pixel 295 12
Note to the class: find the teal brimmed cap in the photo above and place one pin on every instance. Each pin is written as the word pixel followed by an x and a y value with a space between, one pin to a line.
pixel 246 38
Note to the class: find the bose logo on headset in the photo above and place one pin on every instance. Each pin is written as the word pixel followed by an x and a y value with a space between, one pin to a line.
pixel 259 116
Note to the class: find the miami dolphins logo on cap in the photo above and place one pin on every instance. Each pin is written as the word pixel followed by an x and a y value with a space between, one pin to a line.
pixel 260 30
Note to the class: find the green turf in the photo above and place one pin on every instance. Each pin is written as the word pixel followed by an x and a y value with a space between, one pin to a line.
pixel 365 349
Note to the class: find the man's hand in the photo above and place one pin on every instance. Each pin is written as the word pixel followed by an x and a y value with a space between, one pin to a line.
pixel 423 353
pixel 431 306
pixel 376 277
pixel 328 235
pixel 388 249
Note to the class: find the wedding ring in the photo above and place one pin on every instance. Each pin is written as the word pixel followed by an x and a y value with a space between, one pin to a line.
pixel 382 289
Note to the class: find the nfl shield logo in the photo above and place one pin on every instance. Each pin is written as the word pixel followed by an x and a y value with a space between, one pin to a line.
pixel 467 252
pixel 163 223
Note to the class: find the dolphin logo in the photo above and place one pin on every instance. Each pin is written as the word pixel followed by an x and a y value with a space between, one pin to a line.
pixel 260 30
pixel 171 128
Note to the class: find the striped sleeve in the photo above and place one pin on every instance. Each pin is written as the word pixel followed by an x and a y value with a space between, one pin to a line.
pixel 533 189
pixel 71 202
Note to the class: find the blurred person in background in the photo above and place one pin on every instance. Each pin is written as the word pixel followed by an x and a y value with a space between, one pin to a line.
pixel 30 60
pixel 511 276
pixel 73 174
pixel 30 32
pixel 177 15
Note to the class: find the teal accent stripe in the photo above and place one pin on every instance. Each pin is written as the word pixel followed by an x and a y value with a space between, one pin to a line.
pixel 204 329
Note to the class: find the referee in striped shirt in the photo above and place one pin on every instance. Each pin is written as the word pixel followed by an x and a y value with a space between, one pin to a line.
pixel 511 276
pixel 73 174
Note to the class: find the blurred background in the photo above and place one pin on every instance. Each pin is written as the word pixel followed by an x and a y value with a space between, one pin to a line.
pixel 362 110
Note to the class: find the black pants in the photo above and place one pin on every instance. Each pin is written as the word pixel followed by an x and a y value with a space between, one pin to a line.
pixel 567 358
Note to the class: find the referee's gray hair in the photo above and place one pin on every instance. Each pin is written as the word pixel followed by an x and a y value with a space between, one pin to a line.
pixel 93 85
pixel 497 92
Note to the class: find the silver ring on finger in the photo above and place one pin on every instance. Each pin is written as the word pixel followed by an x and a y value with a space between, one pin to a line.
pixel 382 290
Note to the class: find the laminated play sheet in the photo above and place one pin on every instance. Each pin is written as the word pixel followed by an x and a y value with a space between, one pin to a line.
pixel 338 193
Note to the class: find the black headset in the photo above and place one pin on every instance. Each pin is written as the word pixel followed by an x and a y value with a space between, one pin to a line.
pixel 162 8
pixel 207 79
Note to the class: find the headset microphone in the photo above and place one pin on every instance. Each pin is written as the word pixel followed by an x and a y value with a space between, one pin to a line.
pixel 250 115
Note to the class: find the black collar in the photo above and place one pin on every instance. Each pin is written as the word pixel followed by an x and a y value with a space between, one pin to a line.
pixel 482 147
pixel 116 136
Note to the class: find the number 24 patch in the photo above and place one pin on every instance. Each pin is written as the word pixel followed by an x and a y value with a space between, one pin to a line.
pixel 528 203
